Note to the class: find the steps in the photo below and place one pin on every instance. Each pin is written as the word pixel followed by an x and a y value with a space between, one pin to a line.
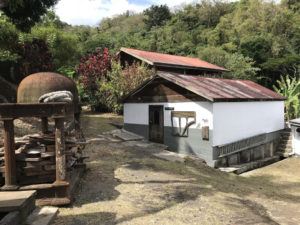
pixel 285 147
pixel 242 168
pixel 49 194
pixel 16 206
pixel 42 216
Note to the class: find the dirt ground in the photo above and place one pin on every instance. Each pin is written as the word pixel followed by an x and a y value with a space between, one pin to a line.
pixel 125 184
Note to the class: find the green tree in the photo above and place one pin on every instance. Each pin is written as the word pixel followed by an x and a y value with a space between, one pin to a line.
pixel 156 15
pixel 25 13
pixel 240 67
pixel 8 40
pixel 63 45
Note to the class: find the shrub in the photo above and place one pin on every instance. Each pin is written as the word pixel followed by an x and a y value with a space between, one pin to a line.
pixel 93 69
pixel 121 81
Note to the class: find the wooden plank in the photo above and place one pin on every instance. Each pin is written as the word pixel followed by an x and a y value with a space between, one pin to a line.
pixel 37 173
pixel 183 114
pixel 53 201
pixel 37 179
pixel 50 167
pixel 14 200
pixel 13 110
pixel 160 90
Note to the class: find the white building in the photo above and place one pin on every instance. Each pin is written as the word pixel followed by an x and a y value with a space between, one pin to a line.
pixel 222 121
pixel 295 126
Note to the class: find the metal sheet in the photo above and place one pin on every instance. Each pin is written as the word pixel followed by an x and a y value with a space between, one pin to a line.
pixel 156 58
pixel 217 89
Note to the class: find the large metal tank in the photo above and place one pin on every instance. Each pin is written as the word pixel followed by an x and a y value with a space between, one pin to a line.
pixel 35 85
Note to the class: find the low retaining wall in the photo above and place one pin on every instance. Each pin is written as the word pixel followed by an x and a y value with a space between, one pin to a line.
pixel 246 150
pixel 243 151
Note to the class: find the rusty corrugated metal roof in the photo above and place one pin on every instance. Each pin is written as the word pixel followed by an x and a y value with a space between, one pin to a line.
pixel 160 59
pixel 295 122
pixel 217 89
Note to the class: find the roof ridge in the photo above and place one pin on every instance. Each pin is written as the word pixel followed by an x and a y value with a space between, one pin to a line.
pixel 250 91
pixel 218 78
pixel 171 59
pixel 168 54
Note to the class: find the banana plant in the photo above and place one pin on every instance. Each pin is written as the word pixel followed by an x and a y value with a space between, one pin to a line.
pixel 289 87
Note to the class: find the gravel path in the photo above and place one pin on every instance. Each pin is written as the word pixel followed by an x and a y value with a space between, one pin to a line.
pixel 126 184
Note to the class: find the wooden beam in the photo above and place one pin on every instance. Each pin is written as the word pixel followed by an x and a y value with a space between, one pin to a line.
pixel 44 123
pixel 60 151
pixel 55 110
pixel 9 157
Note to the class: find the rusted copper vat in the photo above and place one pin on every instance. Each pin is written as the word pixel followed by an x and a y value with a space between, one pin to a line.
pixel 37 84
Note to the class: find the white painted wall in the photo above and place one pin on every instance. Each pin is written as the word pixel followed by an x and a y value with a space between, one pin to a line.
pixel 233 121
pixel 296 140
pixel 138 113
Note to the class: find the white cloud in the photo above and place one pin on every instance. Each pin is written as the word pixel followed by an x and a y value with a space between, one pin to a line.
pixel 172 3
pixel 91 12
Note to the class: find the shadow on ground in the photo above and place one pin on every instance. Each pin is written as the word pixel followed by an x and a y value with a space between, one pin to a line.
pixel 125 183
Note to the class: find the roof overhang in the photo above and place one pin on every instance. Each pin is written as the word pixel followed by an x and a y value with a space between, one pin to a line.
pixel 295 122
pixel 170 65
pixel 188 67
pixel 202 93
pixel 136 56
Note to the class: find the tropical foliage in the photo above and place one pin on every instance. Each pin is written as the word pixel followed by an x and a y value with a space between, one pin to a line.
pixel 290 88
pixel 255 39
pixel 120 81
pixel 25 13
pixel 93 69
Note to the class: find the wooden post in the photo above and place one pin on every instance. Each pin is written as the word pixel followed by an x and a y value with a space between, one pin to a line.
pixel 9 156
pixel 77 125
pixel 60 150
pixel 44 125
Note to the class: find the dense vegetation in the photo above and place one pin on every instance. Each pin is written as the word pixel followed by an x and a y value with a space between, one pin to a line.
pixel 254 39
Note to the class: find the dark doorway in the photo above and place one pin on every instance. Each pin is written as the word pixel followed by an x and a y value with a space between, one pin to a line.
pixel 156 123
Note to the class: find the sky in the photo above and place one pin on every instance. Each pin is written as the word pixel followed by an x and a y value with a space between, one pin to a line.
pixel 91 12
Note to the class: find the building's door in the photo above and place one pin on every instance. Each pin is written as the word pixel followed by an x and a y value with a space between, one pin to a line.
pixel 156 123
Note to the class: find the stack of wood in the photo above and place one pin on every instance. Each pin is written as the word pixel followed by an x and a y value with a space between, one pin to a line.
pixel 35 158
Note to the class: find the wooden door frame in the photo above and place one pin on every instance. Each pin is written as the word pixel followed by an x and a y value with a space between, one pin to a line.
pixel 163 122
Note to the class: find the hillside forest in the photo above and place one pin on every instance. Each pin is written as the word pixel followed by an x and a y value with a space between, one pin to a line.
pixel 255 39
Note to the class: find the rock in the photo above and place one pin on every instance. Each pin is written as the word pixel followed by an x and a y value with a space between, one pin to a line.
pixel 93 140
pixel 127 136
pixel 170 156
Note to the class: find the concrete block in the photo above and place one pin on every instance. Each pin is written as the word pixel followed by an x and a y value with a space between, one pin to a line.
pixel 42 216
pixel 233 159
pixel 245 157
pixel 170 156
pixel 12 218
